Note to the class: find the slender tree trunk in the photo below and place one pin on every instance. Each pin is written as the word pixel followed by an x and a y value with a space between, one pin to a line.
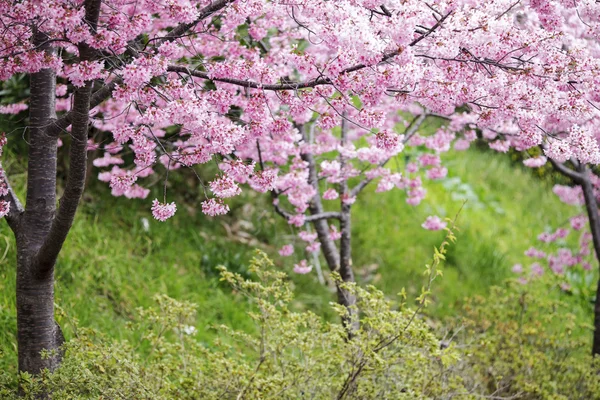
pixel 337 261
pixel 344 297
pixel 345 270
pixel 591 206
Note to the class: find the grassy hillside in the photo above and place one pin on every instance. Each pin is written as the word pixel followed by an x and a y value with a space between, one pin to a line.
pixel 112 263
pixel 506 208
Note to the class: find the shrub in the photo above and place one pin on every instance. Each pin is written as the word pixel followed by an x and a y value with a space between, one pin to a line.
pixel 526 342
pixel 293 355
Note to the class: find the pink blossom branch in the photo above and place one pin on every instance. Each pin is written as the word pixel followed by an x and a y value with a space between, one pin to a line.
pixel 410 131
pixel 13 218
pixel 106 91
pixel 322 215
pixel 577 177
pixel 206 12
pixel 431 30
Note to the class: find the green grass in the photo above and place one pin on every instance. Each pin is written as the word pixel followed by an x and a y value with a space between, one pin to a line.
pixel 506 208
pixel 110 264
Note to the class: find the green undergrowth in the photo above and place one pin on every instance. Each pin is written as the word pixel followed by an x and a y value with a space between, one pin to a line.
pixel 117 257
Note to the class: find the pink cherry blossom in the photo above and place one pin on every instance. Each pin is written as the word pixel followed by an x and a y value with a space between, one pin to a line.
pixel 4 208
pixel 434 223
pixel 578 222
pixel 286 250
pixel 334 234
pixel 517 268
pixel 163 211
pixel 535 162
pixel 214 207
pixel 313 247
pixel 302 267
pixel 330 194
pixel 225 187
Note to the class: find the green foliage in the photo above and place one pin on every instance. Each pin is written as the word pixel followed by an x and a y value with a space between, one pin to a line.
pixel 117 257
pixel 526 342
pixel 112 264
pixel 292 355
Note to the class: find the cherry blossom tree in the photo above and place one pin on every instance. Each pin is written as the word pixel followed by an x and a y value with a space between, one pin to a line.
pixel 178 83
pixel 329 168
pixel 572 264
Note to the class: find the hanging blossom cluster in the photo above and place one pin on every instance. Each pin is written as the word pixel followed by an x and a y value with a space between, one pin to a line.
pixel 163 211
pixel 279 92
pixel 434 223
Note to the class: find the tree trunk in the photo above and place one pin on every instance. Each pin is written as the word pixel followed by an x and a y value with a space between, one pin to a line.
pixel 337 261
pixel 36 327
pixel 41 229
pixel 344 297
pixel 591 206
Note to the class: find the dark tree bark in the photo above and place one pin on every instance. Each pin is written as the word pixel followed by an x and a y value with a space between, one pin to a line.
pixel 41 229
pixel 581 177
pixel 591 206
pixel 345 269
pixel 36 328
pixel 337 261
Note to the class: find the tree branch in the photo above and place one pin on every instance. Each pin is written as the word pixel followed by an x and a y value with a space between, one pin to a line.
pixel 564 170
pixel 323 215
pixel 431 30
pixel 60 125
pixel 105 92
pixel 249 84
pixel 577 177
pixel 206 12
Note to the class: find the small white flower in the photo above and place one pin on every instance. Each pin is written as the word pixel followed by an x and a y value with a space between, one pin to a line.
pixel 189 330
pixel 145 224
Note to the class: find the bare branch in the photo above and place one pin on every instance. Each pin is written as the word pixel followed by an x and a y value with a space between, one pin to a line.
pixel 431 30
pixel 323 215
pixel 568 172
pixel 250 84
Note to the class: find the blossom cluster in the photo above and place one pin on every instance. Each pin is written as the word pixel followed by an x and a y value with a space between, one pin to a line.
pixel 275 84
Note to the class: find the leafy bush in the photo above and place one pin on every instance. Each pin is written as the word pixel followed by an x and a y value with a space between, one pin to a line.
pixel 294 355
pixel 526 342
